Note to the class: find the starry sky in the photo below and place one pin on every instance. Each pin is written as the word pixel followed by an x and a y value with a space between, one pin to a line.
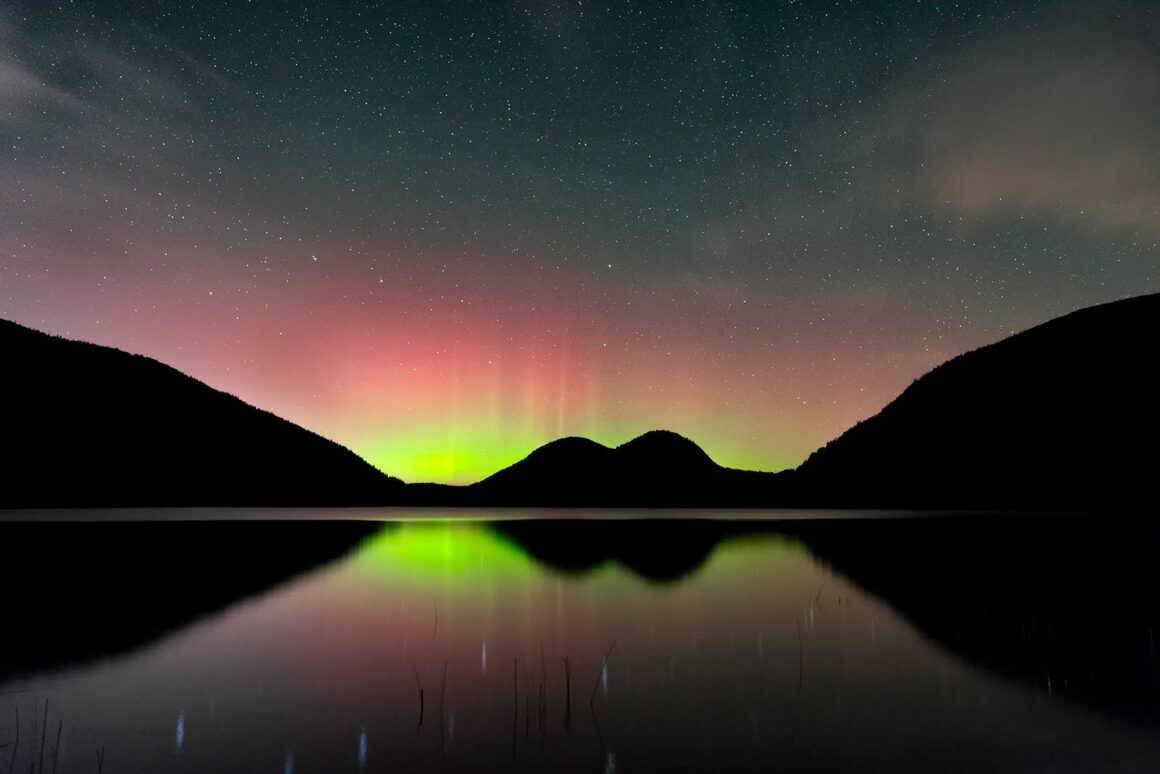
pixel 443 234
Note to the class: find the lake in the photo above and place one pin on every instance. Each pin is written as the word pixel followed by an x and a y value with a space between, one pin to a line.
pixel 304 641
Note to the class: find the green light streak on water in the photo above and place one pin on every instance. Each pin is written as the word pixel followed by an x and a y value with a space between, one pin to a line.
pixel 419 549
pixel 422 552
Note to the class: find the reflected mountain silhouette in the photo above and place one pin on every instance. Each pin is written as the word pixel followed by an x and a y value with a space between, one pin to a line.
pixel 78 592
pixel 660 550
pixel 1065 603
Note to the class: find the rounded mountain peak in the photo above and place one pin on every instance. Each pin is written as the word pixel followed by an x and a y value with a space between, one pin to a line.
pixel 569 446
pixel 667 447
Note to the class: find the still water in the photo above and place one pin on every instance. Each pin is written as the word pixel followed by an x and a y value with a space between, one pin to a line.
pixel 555 646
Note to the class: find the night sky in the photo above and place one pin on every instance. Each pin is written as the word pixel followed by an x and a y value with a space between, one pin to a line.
pixel 444 234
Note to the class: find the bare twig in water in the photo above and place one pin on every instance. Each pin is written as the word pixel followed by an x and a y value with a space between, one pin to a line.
pixel 100 759
pixel 567 693
pixel 596 725
pixel 527 699
pixel 16 745
pixel 56 748
pixel 443 686
pixel 542 708
pixel 442 690
pixel 43 733
pixel 436 629
pixel 420 686
pixel 798 623
pixel 600 674
pixel 515 701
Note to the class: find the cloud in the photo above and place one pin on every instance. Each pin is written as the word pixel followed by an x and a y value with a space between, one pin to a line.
pixel 22 90
pixel 108 128
pixel 1059 119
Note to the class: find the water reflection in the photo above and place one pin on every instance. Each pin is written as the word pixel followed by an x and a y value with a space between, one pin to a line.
pixel 732 647
pixel 1063 602
pixel 89 590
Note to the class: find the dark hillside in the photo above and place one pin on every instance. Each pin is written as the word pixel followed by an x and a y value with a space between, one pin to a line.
pixel 657 469
pixel 86 425
pixel 1064 415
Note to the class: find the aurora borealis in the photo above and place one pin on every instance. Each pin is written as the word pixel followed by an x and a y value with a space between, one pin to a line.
pixel 443 234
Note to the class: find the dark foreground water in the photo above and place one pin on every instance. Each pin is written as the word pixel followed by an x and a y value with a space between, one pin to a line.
pixel 937 644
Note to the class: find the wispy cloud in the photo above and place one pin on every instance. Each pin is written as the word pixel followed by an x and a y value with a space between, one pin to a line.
pixel 110 132
pixel 1061 119
pixel 22 90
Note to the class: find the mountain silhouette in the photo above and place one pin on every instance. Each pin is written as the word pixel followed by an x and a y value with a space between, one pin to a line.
pixel 657 469
pixel 87 425
pixel 1063 415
